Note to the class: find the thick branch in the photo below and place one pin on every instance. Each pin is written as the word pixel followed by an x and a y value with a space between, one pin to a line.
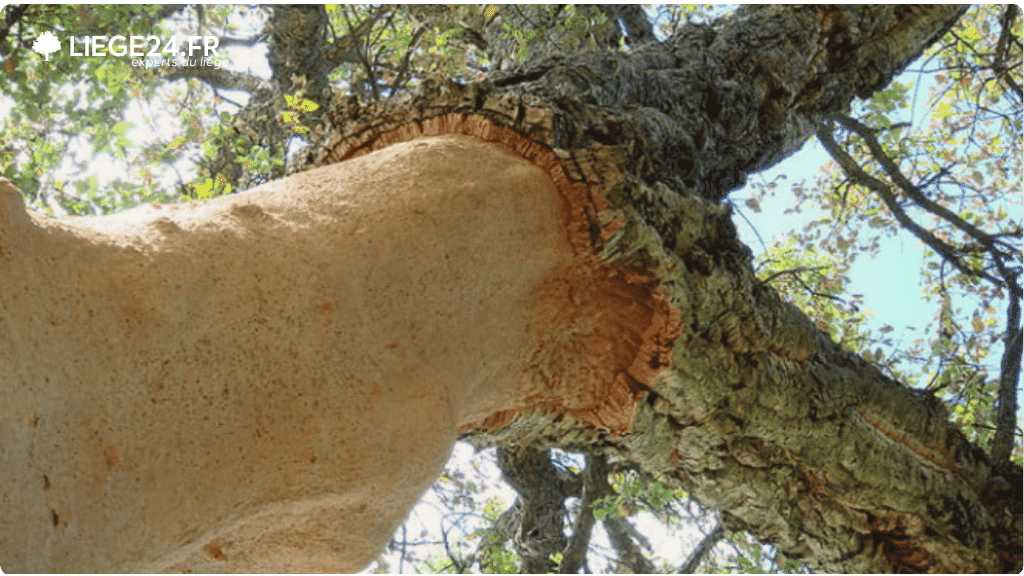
pixel 713 103
pixel 542 492
pixel 296 49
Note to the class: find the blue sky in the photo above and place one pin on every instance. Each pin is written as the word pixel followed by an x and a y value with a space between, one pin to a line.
pixel 889 282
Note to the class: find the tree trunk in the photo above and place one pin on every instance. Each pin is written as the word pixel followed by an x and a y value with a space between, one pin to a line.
pixel 268 381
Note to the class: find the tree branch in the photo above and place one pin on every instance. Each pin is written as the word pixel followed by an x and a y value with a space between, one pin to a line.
pixel 595 484
pixel 1003 47
pixel 621 534
pixel 861 177
pixel 1009 375
pixel 636 27
pixel 1002 446
pixel 912 191
pixel 542 490
pixel 12 14
pixel 216 77
pixel 702 550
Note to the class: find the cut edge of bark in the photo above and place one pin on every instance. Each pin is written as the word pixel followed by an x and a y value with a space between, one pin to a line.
pixel 619 316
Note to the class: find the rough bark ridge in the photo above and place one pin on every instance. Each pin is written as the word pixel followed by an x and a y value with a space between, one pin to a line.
pixel 762 415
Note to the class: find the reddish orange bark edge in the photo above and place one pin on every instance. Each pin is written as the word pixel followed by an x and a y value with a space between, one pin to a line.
pixel 620 320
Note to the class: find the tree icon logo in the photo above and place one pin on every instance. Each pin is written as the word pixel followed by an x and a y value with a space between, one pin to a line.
pixel 46 43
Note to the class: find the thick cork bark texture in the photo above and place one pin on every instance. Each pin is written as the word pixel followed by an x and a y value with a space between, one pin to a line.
pixel 268 381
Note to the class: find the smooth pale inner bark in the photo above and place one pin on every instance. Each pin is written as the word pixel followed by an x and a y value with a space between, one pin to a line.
pixel 269 381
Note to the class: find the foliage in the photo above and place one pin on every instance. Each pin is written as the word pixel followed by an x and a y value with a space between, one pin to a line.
pixel 65 113
pixel 632 494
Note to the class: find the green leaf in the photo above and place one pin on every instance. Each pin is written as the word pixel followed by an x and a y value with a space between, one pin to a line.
pixel 209 149
pixel 204 190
